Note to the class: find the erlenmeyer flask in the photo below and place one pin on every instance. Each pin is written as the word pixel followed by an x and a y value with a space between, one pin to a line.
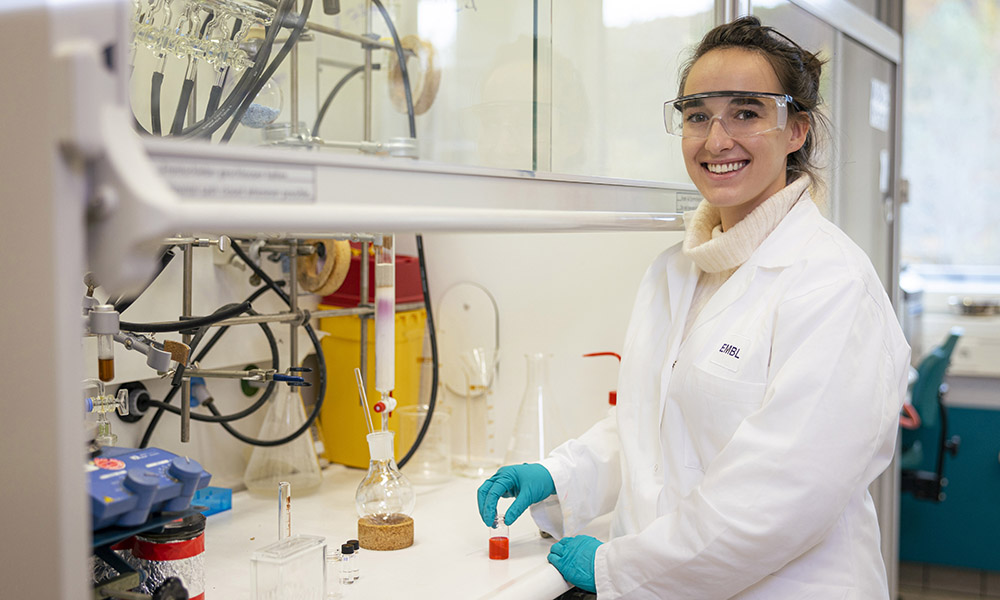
pixel 294 462
pixel 537 429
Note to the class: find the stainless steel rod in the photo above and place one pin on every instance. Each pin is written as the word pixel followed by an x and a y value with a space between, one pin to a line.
pixel 186 310
pixel 350 36
pixel 285 317
pixel 289 317
pixel 368 81
pixel 294 83
pixel 222 374
pixel 361 310
pixel 353 237
pixel 188 241
pixel 293 295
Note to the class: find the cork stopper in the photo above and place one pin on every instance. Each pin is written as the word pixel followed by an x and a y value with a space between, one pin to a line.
pixel 393 532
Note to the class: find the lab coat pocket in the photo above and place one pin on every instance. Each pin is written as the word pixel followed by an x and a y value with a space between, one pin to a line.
pixel 714 407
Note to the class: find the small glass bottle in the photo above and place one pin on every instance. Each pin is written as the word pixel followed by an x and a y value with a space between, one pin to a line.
pixel 333 572
pixel 346 564
pixel 355 561
pixel 499 539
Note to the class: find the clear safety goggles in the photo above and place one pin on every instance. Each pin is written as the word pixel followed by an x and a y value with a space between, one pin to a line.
pixel 742 114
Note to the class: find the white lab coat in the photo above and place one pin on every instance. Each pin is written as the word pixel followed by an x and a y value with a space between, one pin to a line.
pixel 738 463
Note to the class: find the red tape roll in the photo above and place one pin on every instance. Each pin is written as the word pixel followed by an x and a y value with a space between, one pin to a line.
pixel 168 550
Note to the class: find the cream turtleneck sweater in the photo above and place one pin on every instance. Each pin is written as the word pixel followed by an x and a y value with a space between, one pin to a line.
pixel 718 254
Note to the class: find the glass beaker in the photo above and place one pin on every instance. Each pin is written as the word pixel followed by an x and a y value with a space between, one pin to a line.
pixel 431 463
pixel 480 456
pixel 295 461
pixel 537 429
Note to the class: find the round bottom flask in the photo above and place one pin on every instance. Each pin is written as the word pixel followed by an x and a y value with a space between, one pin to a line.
pixel 384 500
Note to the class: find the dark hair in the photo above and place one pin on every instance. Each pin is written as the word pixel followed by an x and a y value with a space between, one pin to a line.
pixel 798 72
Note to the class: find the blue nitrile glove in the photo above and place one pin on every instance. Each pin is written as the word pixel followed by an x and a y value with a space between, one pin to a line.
pixel 574 558
pixel 526 483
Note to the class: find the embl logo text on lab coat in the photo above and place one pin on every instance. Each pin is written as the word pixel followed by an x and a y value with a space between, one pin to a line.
pixel 731 350
pixel 729 354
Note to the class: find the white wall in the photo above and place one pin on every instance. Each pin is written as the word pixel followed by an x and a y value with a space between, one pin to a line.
pixel 564 294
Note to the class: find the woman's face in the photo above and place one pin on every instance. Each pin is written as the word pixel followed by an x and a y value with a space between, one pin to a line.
pixel 758 162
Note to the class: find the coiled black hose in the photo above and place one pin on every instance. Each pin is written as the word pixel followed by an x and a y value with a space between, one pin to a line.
pixel 154 102
pixel 336 89
pixel 186 324
pixel 250 77
pixel 251 95
pixel 401 57
pixel 320 358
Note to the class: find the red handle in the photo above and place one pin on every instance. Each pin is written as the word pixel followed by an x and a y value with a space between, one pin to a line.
pixel 910 420
pixel 615 354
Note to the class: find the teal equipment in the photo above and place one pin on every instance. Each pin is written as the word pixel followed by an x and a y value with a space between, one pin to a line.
pixel 927 397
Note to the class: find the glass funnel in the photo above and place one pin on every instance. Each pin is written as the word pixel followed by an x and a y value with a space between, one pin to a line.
pixel 295 461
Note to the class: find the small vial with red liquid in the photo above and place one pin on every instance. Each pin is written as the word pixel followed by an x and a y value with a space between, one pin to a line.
pixel 499 540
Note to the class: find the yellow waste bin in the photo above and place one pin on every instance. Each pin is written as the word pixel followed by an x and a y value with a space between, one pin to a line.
pixel 342 420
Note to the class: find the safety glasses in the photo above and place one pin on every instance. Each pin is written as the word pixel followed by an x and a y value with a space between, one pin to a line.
pixel 742 114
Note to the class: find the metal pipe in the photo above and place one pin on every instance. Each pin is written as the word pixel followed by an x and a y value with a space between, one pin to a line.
pixel 186 310
pixel 294 83
pixel 364 41
pixel 289 317
pixel 284 317
pixel 368 79
pixel 225 374
pixel 192 241
pixel 362 310
pixel 293 296
pixel 352 237
pixel 366 146
pixel 286 248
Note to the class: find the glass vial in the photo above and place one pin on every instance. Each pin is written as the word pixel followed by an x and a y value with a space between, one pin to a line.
pixel 333 572
pixel 346 564
pixel 499 539
pixel 356 561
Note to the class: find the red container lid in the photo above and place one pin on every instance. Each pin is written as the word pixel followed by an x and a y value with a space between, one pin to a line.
pixel 408 288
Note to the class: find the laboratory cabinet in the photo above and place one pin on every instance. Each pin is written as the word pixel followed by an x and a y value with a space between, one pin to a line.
pixel 962 529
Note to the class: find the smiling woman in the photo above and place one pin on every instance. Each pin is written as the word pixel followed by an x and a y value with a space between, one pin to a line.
pixel 759 349
pixel 736 173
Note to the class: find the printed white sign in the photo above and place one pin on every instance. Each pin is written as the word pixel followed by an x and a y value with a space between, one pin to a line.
pixel 238 181
pixel 686 202
pixel 879 105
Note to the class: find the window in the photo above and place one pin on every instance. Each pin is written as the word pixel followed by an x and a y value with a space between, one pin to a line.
pixel 951 132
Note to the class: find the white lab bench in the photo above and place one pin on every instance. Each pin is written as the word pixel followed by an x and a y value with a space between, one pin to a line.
pixel 448 558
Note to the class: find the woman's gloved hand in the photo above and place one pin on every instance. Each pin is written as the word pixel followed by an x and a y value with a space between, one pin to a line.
pixel 574 558
pixel 526 483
